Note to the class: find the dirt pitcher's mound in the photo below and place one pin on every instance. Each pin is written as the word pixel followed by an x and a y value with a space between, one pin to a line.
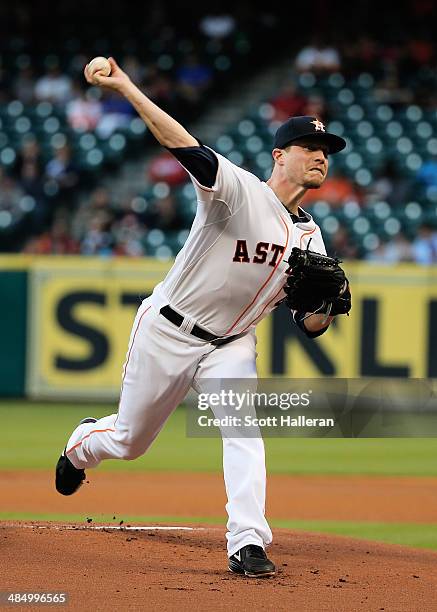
pixel 184 569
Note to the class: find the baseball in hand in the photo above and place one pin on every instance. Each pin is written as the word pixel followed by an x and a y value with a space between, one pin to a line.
pixel 100 65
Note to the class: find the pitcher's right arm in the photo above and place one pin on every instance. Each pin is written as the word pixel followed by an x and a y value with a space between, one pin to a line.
pixel 167 131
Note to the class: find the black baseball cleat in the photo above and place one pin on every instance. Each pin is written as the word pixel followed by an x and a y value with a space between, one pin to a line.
pixel 68 478
pixel 252 561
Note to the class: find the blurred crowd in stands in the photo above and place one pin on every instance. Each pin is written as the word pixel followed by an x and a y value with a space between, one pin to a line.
pixel 43 191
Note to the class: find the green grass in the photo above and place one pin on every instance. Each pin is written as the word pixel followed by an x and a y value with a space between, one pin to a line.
pixel 406 534
pixel 33 434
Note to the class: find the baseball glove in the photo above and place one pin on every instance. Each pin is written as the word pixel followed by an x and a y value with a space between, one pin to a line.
pixel 316 283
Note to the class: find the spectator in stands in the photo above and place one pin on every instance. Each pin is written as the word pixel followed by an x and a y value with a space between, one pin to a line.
pixel 318 58
pixel 362 55
pixel 425 245
pixel 98 238
pixel 398 249
pixel 133 68
pixel 117 113
pixel 316 107
pixel 56 241
pixel 62 175
pixel 164 214
pixel 32 181
pixel 29 173
pixel 83 111
pixel 160 88
pixel 193 79
pixel 421 51
pixel 336 190
pixel 98 201
pixel 390 91
pixel 129 235
pixel 29 153
pixel 23 87
pixel 377 255
pixel 390 185
pixel 289 102
pixel 427 173
pixel 11 194
pixel 165 168
pixel 53 86
pixel 169 215
pixel 33 184
pixel 342 245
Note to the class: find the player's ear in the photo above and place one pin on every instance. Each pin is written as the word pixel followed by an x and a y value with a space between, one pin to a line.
pixel 278 156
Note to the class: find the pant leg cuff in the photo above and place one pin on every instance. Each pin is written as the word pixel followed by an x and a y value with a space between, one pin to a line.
pixel 234 549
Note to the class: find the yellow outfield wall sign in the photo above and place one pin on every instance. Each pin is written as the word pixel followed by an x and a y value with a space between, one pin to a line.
pixel 81 311
pixel 80 316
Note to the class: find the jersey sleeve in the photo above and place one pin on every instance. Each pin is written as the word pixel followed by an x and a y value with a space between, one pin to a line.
pixel 227 188
pixel 200 162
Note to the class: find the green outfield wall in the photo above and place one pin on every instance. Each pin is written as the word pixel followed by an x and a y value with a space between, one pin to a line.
pixel 65 324
pixel 13 331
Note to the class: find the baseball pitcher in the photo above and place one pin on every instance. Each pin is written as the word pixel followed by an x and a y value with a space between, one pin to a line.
pixel 250 248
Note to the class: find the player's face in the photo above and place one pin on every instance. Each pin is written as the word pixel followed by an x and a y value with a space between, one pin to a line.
pixel 306 163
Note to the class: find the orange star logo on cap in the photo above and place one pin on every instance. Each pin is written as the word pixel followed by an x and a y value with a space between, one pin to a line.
pixel 318 125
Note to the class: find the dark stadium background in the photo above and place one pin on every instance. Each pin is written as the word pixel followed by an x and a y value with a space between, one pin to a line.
pixel 110 190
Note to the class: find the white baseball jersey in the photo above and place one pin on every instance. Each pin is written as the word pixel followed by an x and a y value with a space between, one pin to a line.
pixel 228 276
pixel 231 271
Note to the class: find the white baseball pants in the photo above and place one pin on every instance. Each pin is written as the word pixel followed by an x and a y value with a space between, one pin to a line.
pixel 162 364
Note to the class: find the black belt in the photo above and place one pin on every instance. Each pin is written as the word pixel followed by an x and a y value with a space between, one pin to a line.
pixel 177 319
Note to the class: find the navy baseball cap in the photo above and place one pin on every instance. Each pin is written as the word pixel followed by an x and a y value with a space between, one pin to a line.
pixel 307 127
